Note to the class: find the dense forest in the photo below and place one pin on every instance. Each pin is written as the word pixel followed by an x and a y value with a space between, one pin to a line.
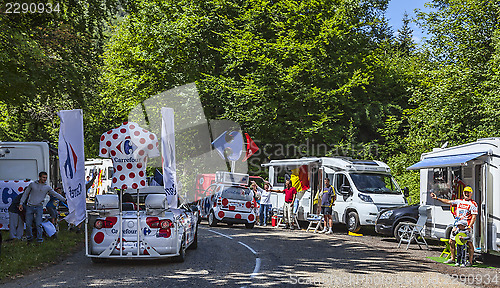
pixel 288 72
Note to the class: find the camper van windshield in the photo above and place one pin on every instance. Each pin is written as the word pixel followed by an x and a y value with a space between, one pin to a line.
pixel 237 193
pixel 375 183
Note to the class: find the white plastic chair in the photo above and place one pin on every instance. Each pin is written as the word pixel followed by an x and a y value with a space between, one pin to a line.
pixel 414 231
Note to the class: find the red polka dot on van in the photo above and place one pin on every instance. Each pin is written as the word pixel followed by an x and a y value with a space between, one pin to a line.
pixel 115 136
pixel 123 130
pixel 122 177
pixel 124 186
pixel 129 165
pixel 139 165
pixel 113 153
pixel 150 146
pixel 132 126
pixel 131 175
pixel 104 151
pixel 115 180
pixel 143 183
pixel 142 141
pixel 125 123
pixel 102 138
pixel 141 152
pixel 108 143
pixel 20 189
pixel 134 186
pixel 141 173
pixel 119 167
pixel 151 136
pixel 137 133
pixel 110 131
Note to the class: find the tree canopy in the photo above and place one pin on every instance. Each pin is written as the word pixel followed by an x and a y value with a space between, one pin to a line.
pixel 328 72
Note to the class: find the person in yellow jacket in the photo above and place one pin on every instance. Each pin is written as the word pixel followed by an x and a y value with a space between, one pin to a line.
pixel 327 198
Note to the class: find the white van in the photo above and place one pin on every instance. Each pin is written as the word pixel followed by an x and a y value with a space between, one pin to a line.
pixel 20 163
pixel 363 187
pixel 102 183
pixel 446 171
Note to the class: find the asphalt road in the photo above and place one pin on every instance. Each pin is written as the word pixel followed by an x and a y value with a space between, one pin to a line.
pixel 263 257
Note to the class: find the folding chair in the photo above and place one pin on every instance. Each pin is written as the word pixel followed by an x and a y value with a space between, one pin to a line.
pixel 413 231
pixel 279 214
pixel 314 221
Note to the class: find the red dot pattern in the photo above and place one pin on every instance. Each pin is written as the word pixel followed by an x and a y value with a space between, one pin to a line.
pixel 129 173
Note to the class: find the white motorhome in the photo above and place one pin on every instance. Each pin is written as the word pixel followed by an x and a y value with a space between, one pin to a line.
pixel 20 163
pixel 363 187
pixel 104 169
pixel 446 171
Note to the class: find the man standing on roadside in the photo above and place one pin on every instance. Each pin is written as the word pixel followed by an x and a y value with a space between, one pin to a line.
pixel 466 210
pixel 290 194
pixel 327 200
pixel 35 194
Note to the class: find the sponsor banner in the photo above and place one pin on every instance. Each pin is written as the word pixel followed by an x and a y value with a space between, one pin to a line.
pixel 168 154
pixel 72 163
pixel 8 191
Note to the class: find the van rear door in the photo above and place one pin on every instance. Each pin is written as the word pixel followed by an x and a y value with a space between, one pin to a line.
pixel 237 198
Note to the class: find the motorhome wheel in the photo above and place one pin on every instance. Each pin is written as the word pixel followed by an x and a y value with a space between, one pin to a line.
pixel 353 222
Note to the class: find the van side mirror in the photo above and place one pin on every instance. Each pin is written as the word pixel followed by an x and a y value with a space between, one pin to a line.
pixel 406 192
pixel 345 190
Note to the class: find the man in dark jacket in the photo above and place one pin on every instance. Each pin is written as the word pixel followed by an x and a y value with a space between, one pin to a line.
pixel 16 219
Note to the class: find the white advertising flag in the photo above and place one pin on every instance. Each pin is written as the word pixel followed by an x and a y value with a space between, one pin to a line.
pixel 72 163
pixel 168 155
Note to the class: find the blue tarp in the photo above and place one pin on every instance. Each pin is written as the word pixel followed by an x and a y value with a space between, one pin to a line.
pixel 445 161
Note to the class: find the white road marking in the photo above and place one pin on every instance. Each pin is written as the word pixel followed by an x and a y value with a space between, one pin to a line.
pixel 257 259
pixel 218 233
pixel 249 248
pixel 257 268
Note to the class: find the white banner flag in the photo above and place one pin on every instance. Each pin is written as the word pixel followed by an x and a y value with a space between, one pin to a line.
pixel 168 155
pixel 72 163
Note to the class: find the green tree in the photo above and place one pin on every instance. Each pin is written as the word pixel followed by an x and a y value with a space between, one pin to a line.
pixel 50 62
pixel 404 38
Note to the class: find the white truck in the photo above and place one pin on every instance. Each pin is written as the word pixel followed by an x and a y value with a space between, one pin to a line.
pixel 363 187
pixel 20 163
pixel 446 171
pixel 102 183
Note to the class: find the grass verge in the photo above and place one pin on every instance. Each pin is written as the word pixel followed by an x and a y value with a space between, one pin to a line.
pixel 18 257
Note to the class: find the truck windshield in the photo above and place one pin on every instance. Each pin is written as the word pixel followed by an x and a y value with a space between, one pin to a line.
pixel 237 193
pixel 375 183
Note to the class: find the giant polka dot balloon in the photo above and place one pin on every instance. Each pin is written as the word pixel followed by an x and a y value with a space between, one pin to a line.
pixel 129 146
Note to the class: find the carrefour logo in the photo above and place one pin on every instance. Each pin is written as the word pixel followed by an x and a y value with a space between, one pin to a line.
pixel 71 160
pixel 126 147
pixel 7 194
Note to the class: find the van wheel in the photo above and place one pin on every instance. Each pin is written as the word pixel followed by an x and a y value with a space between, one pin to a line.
pixel 194 245
pixel 182 252
pixel 353 222
pixel 249 225
pixel 212 221
pixel 402 230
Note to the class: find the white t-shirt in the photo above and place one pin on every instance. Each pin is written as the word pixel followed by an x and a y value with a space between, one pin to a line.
pixel 265 196
pixel 129 146
pixel 465 209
